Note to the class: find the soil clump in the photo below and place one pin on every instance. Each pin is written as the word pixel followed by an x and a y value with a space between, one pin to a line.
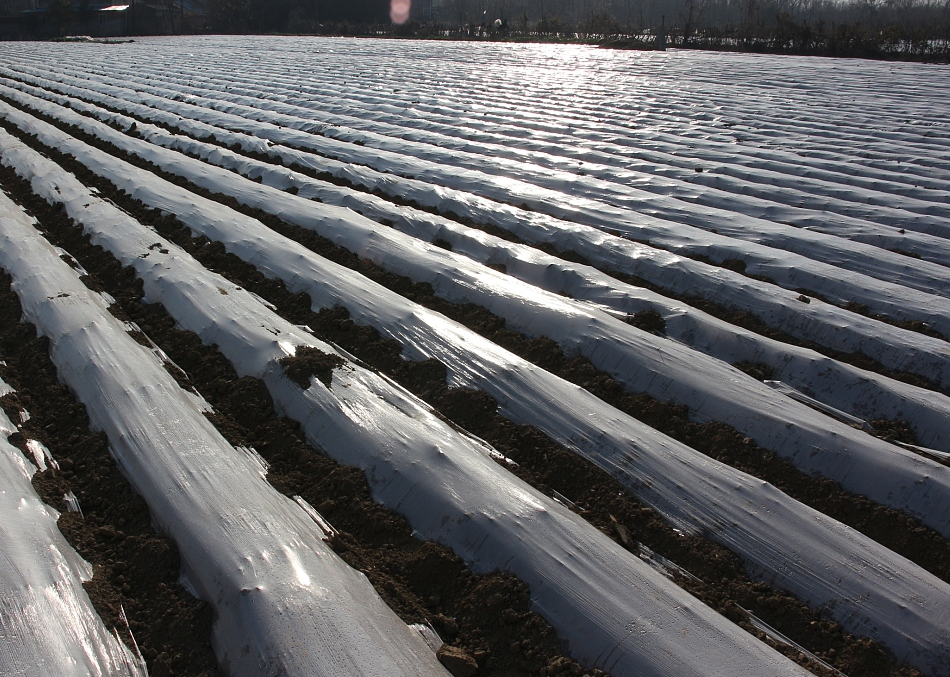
pixel 309 362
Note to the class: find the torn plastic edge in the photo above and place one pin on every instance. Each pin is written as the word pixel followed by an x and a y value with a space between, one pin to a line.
pixel 774 634
pixel 6 425
pixel 262 300
pixel 72 503
pixel 325 526
pixel 939 456
pixel 158 352
pixel 135 645
pixel 260 465
pixel 200 402
pixel 186 583
pixel 565 501
pixel 666 567
pixel 798 396
pixel 72 261
pixel 429 635
pixel 41 455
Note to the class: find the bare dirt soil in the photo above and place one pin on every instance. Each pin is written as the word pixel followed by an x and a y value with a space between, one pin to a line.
pixel 647 320
pixel 135 568
pixel 294 467
pixel 487 616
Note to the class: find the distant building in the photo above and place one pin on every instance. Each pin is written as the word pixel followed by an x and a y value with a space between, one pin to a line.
pixel 39 19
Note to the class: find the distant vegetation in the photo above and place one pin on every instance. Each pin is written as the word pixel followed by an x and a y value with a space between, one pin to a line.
pixel 914 29
pixel 910 29
pixel 862 28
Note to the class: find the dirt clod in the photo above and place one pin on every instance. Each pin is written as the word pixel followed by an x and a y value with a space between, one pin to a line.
pixel 309 361
pixel 648 320
pixel 457 661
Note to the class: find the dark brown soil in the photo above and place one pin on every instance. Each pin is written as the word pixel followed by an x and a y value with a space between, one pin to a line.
pixel 911 325
pixel 648 320
pixel 134 567
pixel 740 318
pixel 887 429
pixel 547 466
pixel 750 322
pixel 486 616
pixel 309 362
pixel 756 370
pixel 894 431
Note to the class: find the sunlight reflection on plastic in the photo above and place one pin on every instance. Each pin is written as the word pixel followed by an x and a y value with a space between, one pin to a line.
pixel 399 11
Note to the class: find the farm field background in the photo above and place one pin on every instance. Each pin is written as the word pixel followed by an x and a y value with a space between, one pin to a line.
pixel 321 353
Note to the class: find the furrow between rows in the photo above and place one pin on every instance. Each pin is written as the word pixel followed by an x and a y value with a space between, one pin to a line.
pixel 245 549
pixel 445 482
pixel 792 257
pixel 643 362
pixel 332 285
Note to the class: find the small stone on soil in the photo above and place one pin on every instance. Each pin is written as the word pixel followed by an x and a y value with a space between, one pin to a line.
pixel 456 661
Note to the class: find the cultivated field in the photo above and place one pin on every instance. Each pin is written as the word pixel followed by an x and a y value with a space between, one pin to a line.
pixel 352 357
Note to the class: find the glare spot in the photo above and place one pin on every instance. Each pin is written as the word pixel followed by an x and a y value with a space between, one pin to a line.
pixel 302 577
pixel 399 11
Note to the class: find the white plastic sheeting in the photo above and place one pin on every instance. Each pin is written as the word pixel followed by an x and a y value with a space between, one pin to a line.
pixel 496 115
pixel 867 216
pixel 284 603
pixel 707 210
pixel 48 626
pixel 743 109
pixel 663 369
pixel 837 384
pixel 836 269
pixel 827 325
pixel 864 585
pixel 613 609
pixel 767 192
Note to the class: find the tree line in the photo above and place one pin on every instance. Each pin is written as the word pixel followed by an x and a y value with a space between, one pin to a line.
pixel 914 29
